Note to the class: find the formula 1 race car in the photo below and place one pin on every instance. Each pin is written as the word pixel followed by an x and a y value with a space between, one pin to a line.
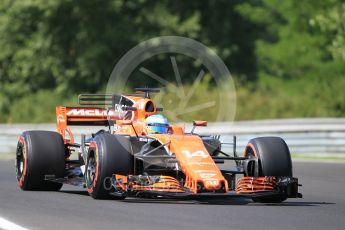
pixel 141 155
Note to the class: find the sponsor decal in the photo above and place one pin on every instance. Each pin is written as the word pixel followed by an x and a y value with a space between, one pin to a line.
pixel 60 119
pixel 212 183
pixel 90 112
pixel 199 153
pixel 207 175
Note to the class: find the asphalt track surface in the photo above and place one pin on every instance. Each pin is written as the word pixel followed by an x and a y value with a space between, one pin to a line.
pixel 322 207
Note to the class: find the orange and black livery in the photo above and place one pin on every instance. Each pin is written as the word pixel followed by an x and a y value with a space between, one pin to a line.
pixel 126 158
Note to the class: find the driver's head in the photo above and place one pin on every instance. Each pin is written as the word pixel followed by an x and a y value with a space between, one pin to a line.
pixel 157 124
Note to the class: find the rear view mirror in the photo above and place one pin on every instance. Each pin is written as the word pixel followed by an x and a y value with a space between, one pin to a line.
pixel 199 123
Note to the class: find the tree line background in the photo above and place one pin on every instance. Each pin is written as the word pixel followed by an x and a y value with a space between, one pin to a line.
pixel 287 57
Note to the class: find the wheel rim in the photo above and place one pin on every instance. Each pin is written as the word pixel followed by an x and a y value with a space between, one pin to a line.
pixel 19 162
pixel 91 170
pixel 251 153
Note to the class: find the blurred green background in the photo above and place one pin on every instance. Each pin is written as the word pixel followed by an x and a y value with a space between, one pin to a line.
pixel 287 57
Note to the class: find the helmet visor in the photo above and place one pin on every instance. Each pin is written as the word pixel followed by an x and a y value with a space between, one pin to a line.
pixel 157 128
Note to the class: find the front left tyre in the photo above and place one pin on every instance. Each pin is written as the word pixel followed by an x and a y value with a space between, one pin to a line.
pixel 108 155
pixel 40 153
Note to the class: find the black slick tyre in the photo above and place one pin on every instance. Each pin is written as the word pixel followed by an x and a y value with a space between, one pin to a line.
pixel 274 160
pixel 108 155
pixel 40 153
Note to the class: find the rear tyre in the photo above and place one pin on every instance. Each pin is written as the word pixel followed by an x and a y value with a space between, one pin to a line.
pixel 274 160
pixel 40 153
pixel 108 154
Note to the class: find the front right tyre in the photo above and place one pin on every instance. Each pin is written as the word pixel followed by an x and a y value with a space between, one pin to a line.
pixel 273 160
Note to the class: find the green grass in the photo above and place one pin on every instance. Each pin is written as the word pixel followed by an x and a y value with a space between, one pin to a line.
pixel 268 98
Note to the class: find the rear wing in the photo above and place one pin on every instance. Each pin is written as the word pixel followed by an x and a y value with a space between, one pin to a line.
pixel 85 116
pixel 104 110
pixel 99 110
pixel 88 115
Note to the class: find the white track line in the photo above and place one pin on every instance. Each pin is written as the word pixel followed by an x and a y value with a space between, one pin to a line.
pixel 8 225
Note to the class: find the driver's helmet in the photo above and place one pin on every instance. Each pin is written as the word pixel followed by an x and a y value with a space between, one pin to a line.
pixel 157 124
